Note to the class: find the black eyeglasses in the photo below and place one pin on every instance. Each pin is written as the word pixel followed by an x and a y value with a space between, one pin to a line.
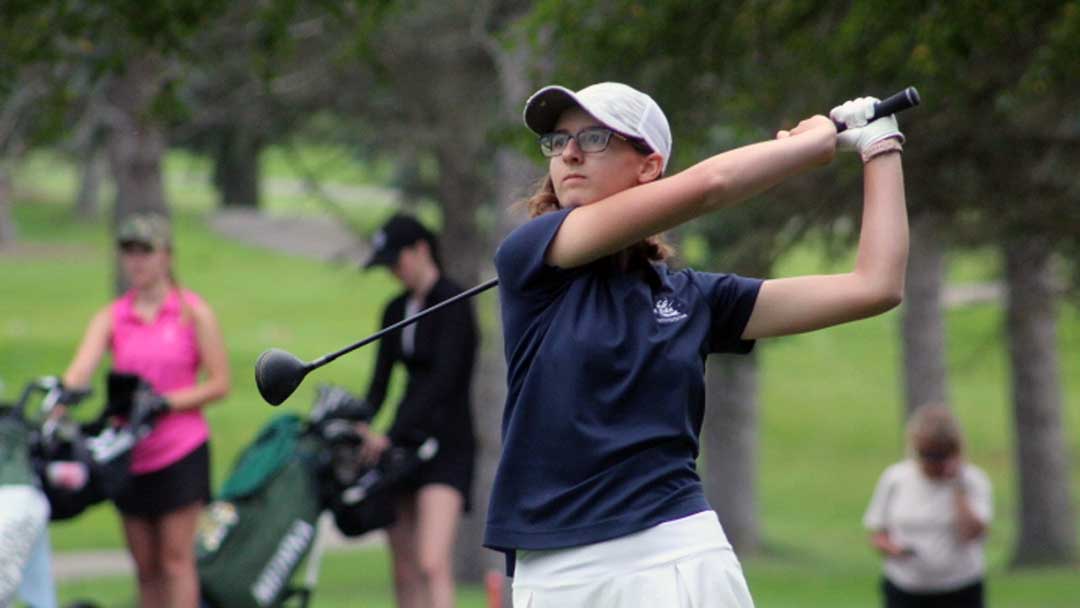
pixel 589 139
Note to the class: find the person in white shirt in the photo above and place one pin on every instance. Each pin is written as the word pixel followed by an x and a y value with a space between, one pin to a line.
pixel 929 518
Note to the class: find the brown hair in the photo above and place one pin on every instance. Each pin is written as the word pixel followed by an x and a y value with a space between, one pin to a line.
pixel 543 200
pixel 933 428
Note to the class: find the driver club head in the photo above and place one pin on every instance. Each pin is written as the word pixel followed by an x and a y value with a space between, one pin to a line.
pixel 278 373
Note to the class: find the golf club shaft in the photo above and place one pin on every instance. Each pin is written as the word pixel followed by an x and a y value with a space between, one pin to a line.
pixel 402 323
pixel 907 98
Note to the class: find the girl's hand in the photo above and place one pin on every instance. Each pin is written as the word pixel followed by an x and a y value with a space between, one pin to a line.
pixel 373 446
pixel 816 126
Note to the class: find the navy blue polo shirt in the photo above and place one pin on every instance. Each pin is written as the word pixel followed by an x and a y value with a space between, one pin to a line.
pixel 606 392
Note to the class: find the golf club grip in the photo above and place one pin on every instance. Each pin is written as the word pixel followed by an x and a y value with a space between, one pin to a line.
pixel 907 98
pixel 402 323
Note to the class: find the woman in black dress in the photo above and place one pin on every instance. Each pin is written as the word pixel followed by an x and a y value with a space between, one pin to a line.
pixel 438 352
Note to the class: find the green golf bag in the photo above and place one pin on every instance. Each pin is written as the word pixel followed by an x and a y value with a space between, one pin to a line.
pixel 262 525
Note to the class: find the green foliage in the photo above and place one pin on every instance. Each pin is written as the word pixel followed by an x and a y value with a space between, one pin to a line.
pixel 992 144
pixel 101 30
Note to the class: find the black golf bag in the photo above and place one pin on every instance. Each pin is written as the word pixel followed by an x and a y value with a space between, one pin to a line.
pixel 264 522
pixel 101 449
pixel 35 446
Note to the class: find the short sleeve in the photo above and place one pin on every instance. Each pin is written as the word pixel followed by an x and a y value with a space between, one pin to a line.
pixel 877 513
pixel 731 300
pixel 980 493
pixel 519 260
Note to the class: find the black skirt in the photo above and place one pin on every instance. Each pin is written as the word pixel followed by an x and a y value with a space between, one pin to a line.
pixel 452 467
pixel 185 482
pixel 969 596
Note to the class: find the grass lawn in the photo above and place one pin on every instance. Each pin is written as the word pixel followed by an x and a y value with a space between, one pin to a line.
pixel 829 418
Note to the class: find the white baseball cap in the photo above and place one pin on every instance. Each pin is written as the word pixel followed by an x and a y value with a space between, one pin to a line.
pixel 617 106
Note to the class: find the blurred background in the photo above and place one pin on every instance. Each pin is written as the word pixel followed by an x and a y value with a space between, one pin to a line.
pixel 280 134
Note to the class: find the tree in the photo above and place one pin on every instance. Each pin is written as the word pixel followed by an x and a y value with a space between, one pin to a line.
pixel 1047 529
pixel 433 86
pixel 128 47
pixel 255 76
pixel 922 319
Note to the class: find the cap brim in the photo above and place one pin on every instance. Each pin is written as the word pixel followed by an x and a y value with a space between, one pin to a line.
pixel 381 258
pixel 139 241
pixel 543 109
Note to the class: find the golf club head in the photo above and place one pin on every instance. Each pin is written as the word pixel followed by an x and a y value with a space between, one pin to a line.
pixel 277 374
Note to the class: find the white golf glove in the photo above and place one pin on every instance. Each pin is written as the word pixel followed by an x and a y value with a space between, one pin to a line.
pixel 860 133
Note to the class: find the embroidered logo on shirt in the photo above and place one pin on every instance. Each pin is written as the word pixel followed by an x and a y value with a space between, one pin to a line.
pixel 668 310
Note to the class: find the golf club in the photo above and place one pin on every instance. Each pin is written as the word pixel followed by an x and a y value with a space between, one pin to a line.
pixel 278 372
pixel 908 98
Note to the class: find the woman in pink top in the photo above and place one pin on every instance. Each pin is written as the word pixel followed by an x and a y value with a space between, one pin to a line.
pixel 165 335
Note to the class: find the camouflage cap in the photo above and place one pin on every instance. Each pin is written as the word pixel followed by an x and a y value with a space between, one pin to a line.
pixel 151 229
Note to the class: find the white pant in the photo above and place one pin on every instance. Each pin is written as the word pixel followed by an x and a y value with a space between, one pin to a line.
pixel 38 589
pixel 23 518
pixel 686 563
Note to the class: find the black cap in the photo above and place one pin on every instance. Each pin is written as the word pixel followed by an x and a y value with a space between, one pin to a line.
pixel 398 233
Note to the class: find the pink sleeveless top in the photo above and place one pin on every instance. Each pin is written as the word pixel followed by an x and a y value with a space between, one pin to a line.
pixel 165 353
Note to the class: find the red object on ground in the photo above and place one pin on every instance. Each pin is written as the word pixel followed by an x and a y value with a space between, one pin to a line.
pixel 493 583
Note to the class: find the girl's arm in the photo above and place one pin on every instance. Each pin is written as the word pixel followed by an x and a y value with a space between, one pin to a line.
pixel 215 362
pixel 599 229
pixel 88 356
pixel 800 304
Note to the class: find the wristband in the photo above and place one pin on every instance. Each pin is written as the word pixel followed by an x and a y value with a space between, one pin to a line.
pixel 889 144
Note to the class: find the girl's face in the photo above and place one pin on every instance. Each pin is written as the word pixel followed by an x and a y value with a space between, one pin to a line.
pixel 938 464
pixel 582 178
pixel 412 264
pixel 143 265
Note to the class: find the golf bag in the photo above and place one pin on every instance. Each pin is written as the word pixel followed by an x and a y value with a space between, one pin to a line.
pixel 24 514
pixel 81 465
pixel 264 522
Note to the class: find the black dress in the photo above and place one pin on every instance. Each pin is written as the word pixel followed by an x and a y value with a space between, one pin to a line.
pixel 439 353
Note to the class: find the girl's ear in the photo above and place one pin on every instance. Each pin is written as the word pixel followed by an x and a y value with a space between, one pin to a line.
pixel 651 168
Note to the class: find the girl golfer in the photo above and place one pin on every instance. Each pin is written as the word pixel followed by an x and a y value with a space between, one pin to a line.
pixel 596 501
pixel 169 336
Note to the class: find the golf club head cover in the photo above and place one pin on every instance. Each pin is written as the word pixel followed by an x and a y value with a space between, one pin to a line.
pixel 72 396
pixel 336 402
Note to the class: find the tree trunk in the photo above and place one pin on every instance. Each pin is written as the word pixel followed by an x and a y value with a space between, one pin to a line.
pixel 461 244
pixel 236 168
pixel 729 439
pixel 514 172
pixel 88 199
pixel 1047 528
pixel 7 221
pixel 462 190
pixel 922 318
pixel 136 143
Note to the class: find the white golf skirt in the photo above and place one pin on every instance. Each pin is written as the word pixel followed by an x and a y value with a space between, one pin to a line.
pixel 685 563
